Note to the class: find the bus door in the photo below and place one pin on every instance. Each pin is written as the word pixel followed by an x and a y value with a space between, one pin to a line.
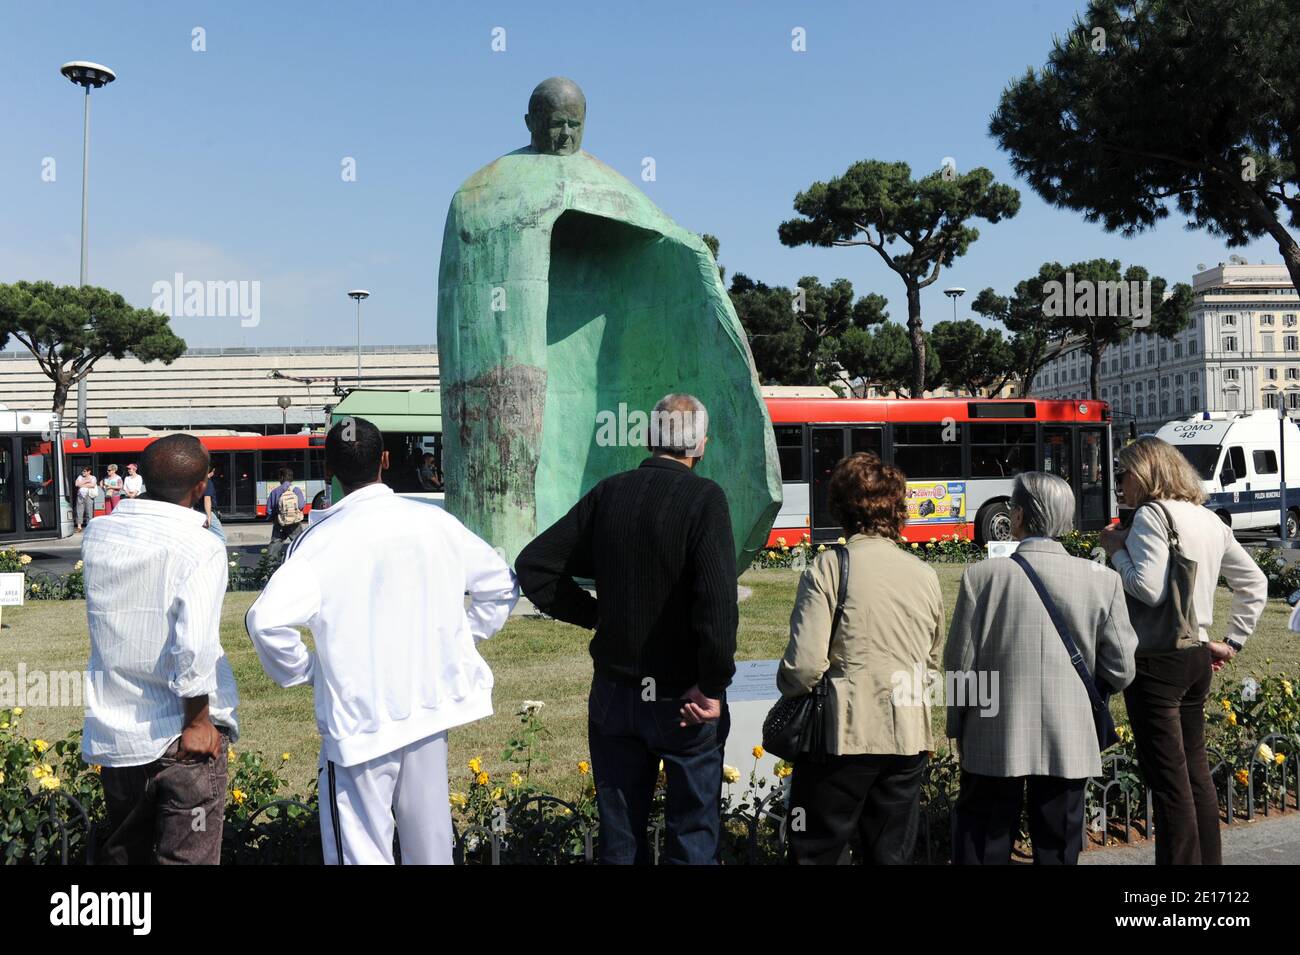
pixel 31 489
pixel 236 483
pixel 1082 457
pixel 830 444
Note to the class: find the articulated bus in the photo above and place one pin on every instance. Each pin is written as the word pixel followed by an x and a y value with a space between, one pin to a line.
pixel 246 466
pixel 960 457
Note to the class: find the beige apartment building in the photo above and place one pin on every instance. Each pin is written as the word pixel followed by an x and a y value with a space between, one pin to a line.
pixel 221 389
pixel 1240 352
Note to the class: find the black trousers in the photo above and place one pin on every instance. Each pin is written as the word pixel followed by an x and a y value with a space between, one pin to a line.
pixel 873 800
pixel 986 818
pixel 1166 707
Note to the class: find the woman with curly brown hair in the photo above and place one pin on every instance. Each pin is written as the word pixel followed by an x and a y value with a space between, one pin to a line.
pixel 881 663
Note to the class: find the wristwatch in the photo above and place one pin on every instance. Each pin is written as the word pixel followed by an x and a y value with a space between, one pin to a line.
pixel 1236 647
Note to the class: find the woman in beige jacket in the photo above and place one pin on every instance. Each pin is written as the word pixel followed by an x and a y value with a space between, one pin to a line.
pixel 882 666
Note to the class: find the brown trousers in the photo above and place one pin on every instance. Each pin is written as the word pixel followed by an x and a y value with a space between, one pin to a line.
pixel 166 812
pixel 1166 706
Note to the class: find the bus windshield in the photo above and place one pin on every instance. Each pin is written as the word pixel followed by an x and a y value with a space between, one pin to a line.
pixel 1203 457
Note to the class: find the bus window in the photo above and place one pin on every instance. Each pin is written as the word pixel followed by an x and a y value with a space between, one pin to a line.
pixel 1094 500
pixel 925 451
pixel 1057 453
pixel 867 439
pixel 1001 450
pixel 789 450
pixel 40 496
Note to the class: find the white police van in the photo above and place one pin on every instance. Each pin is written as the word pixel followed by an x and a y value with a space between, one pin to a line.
pixel 1238 457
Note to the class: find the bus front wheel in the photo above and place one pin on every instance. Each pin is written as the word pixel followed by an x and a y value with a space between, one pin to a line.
pixel 994 523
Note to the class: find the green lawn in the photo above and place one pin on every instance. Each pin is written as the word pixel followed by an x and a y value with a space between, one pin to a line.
pixel 531 658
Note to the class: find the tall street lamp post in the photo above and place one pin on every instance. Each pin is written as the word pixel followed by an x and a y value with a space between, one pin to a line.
pixel 89 76
pixel 359 294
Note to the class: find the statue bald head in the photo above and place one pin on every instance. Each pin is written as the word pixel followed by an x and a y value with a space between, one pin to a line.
pixel 557 112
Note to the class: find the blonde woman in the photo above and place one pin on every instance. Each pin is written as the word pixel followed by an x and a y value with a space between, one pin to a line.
pixel 1166 702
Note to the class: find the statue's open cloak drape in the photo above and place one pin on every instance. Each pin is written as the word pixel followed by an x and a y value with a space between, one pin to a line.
pixel 568 303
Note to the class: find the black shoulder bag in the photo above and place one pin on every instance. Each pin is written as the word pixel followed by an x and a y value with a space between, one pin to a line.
pixel 1101 718
pixel 795 727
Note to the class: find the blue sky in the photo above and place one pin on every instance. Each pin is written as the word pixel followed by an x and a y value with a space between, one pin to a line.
pixel 226 164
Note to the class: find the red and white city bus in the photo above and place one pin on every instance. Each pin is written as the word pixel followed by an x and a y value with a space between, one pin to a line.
pixel 960 456
pixel 246 466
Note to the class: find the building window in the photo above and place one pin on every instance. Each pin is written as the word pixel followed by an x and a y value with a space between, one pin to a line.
pixel 1270 399
pixel 1178 381
pixel 1293 400
pixel 1230 321
pixel 1164 352
pixel 1191 346
pixel 1292 342
pixel 1230 374
pixel 1194 377
pixel 1178 403
pixel 1271 374
pixel 1126 362
pixel 1266 342
pixel 1151 356
pixel 1178 349
pixel 1229 342
pixel 1266 320
pixel 1289 320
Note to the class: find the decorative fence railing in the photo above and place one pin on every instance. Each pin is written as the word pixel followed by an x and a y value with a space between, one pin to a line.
pixel 546 830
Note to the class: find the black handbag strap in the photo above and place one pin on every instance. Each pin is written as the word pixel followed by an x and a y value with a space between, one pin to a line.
pixel 1076 656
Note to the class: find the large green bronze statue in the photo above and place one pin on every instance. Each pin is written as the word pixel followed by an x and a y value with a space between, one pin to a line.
pixel 568 304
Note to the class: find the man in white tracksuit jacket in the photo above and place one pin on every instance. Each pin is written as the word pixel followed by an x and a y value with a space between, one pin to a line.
pixel 381 582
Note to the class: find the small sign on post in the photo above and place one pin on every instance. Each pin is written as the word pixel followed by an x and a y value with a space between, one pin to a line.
pixel 12 587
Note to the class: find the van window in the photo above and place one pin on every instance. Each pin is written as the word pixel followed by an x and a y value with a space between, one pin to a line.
pixel 1265 462
pixel 1237 461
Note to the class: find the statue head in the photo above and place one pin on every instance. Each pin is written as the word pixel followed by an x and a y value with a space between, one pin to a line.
pixel 557 111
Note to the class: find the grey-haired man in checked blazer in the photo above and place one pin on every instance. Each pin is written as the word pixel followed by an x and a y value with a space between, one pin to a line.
pixel 1035 729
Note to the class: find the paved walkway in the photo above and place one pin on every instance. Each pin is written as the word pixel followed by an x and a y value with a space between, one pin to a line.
pixel 1266 841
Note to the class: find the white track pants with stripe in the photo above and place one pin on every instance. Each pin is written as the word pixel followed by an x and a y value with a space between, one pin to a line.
pixel 409 784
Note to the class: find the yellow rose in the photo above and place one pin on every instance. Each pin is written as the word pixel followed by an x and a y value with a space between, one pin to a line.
pixel 481 779
pixel 2 779
pixel 25 559
pixel 516 780
pixel 915 546
pixel 1243 777
pixel 731 774
pixel 285 757
pixel 1279 758
pixel 239 796
pixel 1232 719
pixel 498 793
pixel 841 541
pixel 50 782
pixel 780 542
pixel 771 555
pixel 230 755
pixel 18 711
pixel 820 548
pixel 40 745
pixel 1227 705
pixel 784 770
pixel 476 766
pixel 78 565
pixel 1286 688
pixel 584 767
pixel 4 725
pixel 1264 754
pixel 96 768
pixel 758 752
pixel 458 800
pixel 38 772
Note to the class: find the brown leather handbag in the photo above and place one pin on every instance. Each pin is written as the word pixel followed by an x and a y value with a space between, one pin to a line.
pixel 1171 624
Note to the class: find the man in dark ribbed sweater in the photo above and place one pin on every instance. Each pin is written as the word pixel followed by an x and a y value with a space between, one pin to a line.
pixel 657 542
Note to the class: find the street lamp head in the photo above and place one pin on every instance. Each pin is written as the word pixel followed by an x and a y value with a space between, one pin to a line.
pixel 955 292
pixel 284 401
pixel 87 74
pixel 358 294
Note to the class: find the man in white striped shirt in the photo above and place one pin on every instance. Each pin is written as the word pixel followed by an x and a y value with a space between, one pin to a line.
pixel 160 708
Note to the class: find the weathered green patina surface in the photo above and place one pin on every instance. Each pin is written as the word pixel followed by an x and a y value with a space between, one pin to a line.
pixel 567 299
